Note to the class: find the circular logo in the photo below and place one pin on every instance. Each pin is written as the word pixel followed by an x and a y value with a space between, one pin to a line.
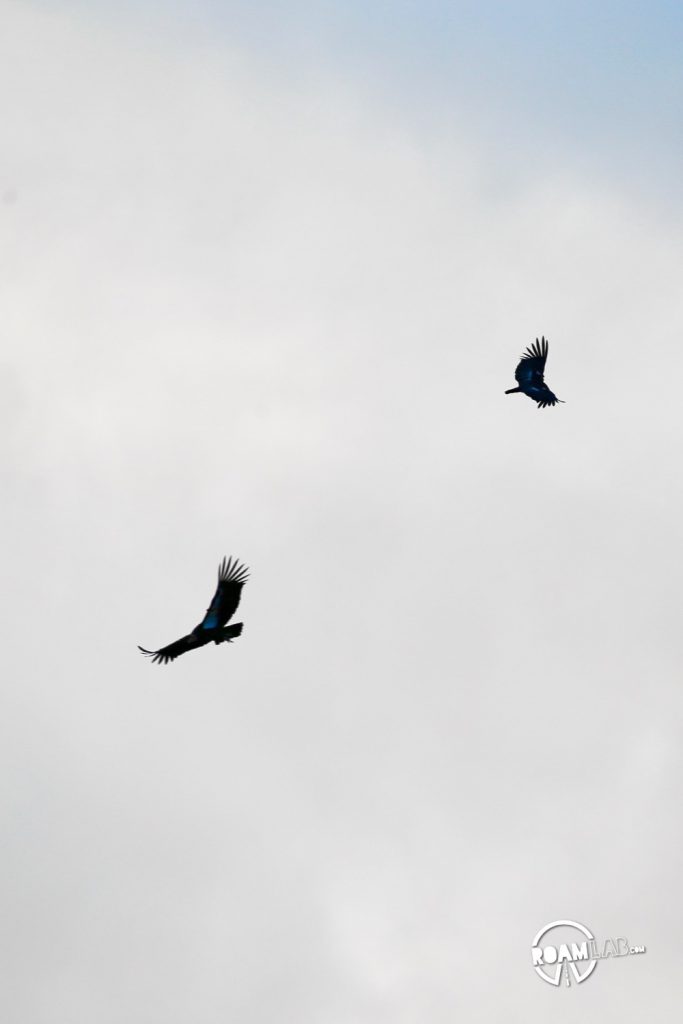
pixel 567 952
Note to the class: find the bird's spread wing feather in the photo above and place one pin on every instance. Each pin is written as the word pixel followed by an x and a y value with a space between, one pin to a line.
pixel 174 650
pixel 530 369
pixel 543 396
pixel 231 578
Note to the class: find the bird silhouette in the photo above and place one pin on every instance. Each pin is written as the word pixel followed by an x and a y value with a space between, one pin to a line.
pixel 529 375
pixel 231 578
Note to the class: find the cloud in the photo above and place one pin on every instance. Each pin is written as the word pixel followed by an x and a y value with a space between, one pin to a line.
pixel 247 317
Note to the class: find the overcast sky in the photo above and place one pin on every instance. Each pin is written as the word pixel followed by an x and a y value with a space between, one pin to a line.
pixel 267 270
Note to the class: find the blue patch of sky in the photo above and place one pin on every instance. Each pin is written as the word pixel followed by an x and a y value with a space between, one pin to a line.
pixel 598 83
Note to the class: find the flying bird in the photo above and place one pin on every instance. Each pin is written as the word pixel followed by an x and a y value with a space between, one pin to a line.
pixel 529 375
pixel 231 578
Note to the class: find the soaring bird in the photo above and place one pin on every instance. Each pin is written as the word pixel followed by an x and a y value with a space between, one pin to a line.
pixel 529 375
pixel 231 578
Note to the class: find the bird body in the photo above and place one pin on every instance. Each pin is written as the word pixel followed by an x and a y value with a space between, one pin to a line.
pixel 529 375
pixel 231 578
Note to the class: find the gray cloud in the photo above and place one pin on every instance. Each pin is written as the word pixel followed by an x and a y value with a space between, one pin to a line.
pixel 247 318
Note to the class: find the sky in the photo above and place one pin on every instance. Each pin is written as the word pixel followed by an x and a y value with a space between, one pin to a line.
pixel 266 274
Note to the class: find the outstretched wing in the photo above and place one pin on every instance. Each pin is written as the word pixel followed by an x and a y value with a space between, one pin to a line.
pixel 231 578
pixel 174 650
pixel 529 372
pixel 543 396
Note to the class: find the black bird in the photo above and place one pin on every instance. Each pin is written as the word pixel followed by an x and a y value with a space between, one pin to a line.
pixel 231 578
pixel 529 375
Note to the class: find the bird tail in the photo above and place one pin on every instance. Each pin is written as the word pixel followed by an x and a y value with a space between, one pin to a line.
pixel 229 632
pixel 513 391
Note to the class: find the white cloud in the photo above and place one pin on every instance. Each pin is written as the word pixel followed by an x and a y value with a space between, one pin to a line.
pixel 249 319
